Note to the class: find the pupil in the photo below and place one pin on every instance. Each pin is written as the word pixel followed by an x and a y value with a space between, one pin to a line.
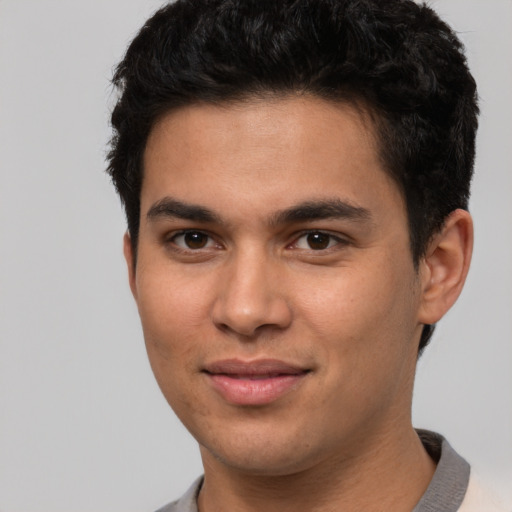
pixel 318 241
pixel 195 240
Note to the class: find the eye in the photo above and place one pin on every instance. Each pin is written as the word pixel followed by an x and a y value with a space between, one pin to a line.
pixel 193 240
pixel 316 241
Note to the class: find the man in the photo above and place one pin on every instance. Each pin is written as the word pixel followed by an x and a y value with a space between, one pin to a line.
pixel 295 176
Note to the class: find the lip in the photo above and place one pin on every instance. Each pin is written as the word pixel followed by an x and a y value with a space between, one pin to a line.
pixel 257 382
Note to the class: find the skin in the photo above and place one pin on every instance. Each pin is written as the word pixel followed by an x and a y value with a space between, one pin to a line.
pixel 251 285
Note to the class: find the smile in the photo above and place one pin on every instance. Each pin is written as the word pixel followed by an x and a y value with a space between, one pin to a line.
pixel 253 383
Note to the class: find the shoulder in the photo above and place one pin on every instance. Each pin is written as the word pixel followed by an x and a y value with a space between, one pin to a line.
pixel 170 507
pixel 478 498
pixel 188 502
pixel 454 486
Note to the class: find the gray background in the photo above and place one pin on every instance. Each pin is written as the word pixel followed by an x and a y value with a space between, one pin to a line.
pixel 83 426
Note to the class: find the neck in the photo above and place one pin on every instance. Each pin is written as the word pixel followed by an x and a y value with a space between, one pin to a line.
pixel 391 473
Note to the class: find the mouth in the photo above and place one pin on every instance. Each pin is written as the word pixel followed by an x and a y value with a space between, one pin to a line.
pixel 253 383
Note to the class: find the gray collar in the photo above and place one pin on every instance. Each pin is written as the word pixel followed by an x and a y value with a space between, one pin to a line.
pixel 445 492
pixel 450 481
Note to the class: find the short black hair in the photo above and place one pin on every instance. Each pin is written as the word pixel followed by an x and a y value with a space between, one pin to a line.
pixel 396 58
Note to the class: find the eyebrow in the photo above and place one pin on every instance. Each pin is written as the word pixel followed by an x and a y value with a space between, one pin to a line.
pixel 321 210
pixel 307 211
pixel 172 208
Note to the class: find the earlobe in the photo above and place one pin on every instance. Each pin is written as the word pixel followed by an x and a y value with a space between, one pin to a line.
pixel 445 266
pixel 130 262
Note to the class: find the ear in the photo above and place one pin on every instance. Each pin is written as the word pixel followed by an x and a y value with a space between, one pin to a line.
pixel 445 266
pixel 130 262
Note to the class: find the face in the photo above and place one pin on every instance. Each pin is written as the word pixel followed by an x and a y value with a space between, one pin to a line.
pixel 275 283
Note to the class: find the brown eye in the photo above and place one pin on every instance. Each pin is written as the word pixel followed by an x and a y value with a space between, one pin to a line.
pixel 318 241
pixel 195 239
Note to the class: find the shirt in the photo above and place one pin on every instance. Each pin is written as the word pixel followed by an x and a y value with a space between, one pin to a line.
pixel 452 489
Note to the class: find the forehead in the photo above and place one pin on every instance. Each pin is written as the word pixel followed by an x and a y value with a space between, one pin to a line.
pixel 266 151
pixel 293 118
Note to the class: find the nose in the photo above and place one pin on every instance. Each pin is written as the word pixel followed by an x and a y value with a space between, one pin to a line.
pixel 251 299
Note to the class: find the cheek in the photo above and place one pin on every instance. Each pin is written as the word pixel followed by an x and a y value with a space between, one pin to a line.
pixel 172 313
pixel 363 324
pixel 365 309
pixel 173 321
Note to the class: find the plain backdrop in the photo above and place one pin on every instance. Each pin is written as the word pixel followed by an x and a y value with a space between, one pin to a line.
pixel 83 426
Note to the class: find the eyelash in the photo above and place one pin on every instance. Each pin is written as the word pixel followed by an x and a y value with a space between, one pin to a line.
pixel 338 241
pixel 176 247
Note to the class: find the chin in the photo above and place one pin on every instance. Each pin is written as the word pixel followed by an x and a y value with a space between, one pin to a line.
pixel 261 455
pixel 257 464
